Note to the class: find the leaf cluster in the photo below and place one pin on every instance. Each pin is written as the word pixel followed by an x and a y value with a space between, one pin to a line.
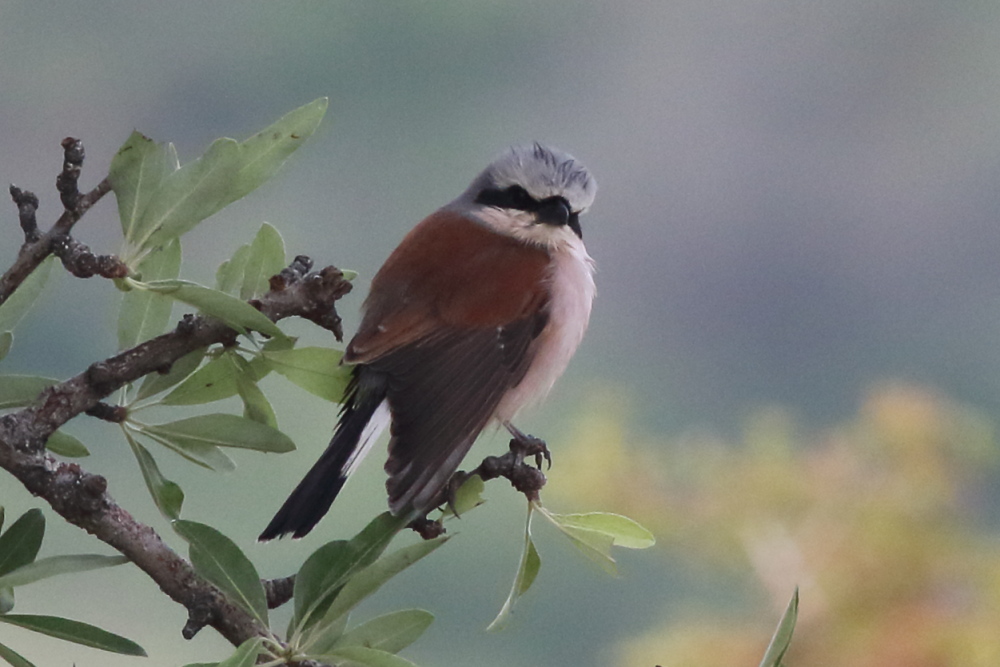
pixel 330 584
pixel 593 533
pixel 20 566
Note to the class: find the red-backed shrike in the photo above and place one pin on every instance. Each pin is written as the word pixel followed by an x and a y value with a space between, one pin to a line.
pixel 473 316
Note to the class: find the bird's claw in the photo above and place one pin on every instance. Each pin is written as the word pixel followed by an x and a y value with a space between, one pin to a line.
pixel 524 445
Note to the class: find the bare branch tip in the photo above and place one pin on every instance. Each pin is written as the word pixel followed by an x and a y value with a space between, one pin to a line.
pixel 73 152
pixel 27 204
pixel 199 615
pixel 82 263
pixel 66 181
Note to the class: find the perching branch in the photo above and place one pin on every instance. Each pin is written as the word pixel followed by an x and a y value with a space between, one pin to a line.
pixel 313 293
pixel 525 478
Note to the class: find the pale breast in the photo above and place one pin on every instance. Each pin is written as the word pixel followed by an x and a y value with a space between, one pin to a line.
pixel 572 294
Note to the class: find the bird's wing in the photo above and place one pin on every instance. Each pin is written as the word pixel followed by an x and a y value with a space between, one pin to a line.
pixel 442 392
pixel 449 272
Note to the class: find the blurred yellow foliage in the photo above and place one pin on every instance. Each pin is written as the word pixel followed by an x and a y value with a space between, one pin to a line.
pixel 873 519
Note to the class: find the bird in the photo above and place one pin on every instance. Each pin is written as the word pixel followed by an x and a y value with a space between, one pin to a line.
pixel 472 317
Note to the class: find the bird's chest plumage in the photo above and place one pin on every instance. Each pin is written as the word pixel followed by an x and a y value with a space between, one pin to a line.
pixel 452 279
pixel 570 294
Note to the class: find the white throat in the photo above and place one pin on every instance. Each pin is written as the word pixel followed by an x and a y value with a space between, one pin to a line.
pixel 523 226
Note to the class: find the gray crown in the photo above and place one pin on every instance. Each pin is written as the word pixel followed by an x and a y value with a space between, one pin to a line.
pixel 543 171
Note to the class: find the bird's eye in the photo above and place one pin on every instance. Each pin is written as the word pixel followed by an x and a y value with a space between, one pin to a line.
pixel 514 197
pixel 520 199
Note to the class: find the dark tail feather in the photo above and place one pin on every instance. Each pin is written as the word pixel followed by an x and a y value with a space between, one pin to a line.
pixel 311 499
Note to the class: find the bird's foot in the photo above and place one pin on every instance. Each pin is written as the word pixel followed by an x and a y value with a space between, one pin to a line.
pixel 524 445
pixel 526 478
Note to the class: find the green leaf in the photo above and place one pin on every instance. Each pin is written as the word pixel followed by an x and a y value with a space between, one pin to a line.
pixel 360 656
pixel 154 383
pixel 238 314
pixel 18 304
pixel 315 369
pixel 56 565
pixel 222 430
pixel 248 272
pixel 136 173
pixel 75 631
pixel 532 564
pixel 229 275
pixel 527 570
pixel 189 195
pixel 266 258
pixel 595 546
pixel 6 594
pixel 260 365
pixel 226 172
pixel 13 658
pixel 144 314
pixel 167 495
pixel 218 559
pixel 66 445
pixel 366 582
pixel 255 404
pixel 19 545
pixel 468 496
pixel 391 632
pixel 17 391
pixel 6 341
pixel 622 530
pixel 321 576
pixel 207 456
pixel 214 381
pixel 329 567
pixel 263 153
pixel 6 600
pixel 245 655
pixel 595 533
pixel 783 634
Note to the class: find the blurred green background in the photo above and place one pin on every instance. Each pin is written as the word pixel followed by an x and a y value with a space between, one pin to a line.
pixel 793 368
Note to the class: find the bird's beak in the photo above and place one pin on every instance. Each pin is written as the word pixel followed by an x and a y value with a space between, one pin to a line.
pixel 553 212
